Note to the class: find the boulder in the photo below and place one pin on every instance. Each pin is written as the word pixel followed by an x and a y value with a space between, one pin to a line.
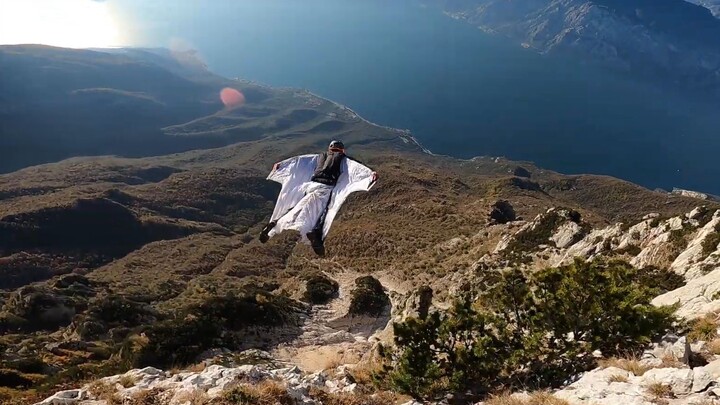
pixel 679 380
pixel 418 303
pixel 68 397
pixel 702 380
pixel 600 386
pixel 670 346
pixel 712 368
pixel 697 298
pixel 567 234
pixel 501 212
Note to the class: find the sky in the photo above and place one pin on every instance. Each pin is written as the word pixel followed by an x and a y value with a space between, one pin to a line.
pixel 112 23
pixel 65 23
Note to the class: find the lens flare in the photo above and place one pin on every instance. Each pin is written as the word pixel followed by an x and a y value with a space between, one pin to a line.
pixel 231 97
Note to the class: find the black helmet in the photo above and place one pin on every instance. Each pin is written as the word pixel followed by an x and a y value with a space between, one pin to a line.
pixel 336 145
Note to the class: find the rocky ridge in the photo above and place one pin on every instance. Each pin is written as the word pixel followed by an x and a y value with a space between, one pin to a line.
pixel 689 245
pixel 210 383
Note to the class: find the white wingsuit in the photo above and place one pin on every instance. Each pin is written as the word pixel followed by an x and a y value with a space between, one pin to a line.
pixel 302 202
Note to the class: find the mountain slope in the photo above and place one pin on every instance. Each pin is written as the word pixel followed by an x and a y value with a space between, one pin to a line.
pixel 58 103
pixel 108 263
pixel 644 38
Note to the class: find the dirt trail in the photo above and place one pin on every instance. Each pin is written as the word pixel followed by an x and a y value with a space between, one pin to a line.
pixel 331 338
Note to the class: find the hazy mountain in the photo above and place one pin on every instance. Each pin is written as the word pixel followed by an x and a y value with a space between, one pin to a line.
pixel 673 41
pixel 58 103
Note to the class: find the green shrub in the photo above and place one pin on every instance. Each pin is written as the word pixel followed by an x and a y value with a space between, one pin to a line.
pixel 368 297
pixel 320 289
pixel 34 365
pixel 179 340
pixel 661 280
pixel 706 216
pixel 711 242
pixel 14 379
pixel 526 331
pixel 678 240
pixel 632 250
pixel 529 239
pixel 40 307
pixel 120 311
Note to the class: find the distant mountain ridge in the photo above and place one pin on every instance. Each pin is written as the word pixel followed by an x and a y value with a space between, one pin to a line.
pixel 712 5
pixel 673 41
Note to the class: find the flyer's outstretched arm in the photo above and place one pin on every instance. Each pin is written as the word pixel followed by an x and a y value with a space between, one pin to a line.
pixel 291 174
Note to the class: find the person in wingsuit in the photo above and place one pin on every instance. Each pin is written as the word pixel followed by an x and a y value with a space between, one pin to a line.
pixel 314 187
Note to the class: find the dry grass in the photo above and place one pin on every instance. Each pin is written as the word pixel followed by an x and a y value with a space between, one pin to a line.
pixel 363 373
pixel 505 399
pixel 128 381
pixel 104 391
pixel 264 393
pixel 193 368
pixel 146 397
pixel 536 398
pixel 704 328
pixel 671 361
pixel 621 378
pixel 10 396
pixel 660 390
pixel 196 397
pixel 346 398
pixel 196 368
pixel 713 346
pixel 333 361
pixel 631 364
pixel 545 398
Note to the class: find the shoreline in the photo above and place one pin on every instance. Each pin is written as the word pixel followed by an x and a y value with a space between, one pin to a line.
pixel 404 133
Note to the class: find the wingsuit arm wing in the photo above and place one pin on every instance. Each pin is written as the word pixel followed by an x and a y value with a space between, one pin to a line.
pixel 354 177
pixel 291 174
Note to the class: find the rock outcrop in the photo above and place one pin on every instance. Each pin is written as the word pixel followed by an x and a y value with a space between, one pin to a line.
pixel 210 383
pixel 612 386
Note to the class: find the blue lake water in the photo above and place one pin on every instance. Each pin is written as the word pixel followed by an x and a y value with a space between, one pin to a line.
pixel 461 92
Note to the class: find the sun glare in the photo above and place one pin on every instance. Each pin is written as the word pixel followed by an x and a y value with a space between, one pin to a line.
pixel 64 23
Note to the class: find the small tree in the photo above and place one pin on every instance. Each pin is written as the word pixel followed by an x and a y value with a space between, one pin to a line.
pixel 319 289
pixel 368 297
pixel 525 330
